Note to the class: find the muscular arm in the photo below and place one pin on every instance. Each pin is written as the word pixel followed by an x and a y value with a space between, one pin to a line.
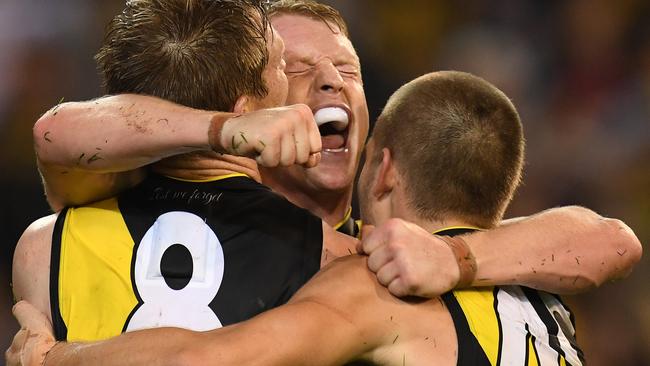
pixel 562 250
pixel 340 315
pixel 91 150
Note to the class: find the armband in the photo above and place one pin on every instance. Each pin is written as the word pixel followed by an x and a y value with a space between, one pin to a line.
pixel 214 132
pixel 464 258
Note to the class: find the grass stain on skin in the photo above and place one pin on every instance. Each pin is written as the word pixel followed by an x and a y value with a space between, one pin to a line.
pixel 94 158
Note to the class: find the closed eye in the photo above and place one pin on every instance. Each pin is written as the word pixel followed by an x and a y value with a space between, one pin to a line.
pixel 348 70
pixel 295 71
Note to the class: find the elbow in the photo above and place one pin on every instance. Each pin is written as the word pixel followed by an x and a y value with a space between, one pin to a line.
pixel 621 250
pixel 41 134
pixel 626 245
pixel 44 130
pixel 616 238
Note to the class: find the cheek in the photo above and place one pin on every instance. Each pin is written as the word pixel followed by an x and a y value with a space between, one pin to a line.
pixel 358 98
pixel 298 89
pixel 278 88
pixel 283 88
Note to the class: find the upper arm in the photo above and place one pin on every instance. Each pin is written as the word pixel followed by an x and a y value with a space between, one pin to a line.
pixel 31 264
pixel 565 250
pixel 69 187
pixel 602 248
pixel 74 143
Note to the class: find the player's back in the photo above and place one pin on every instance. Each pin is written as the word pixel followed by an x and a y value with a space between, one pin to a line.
pixel 168 252
pixel 512 325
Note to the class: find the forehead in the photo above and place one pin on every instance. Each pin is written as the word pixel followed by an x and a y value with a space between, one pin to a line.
pixel 308 37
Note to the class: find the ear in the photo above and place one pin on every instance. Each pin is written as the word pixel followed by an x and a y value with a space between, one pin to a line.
pixel 385 180
pixel 242 105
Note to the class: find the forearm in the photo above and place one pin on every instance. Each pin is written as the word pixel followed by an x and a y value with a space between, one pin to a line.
pixel 280 337
pixel 119 133
pixel 162 346
pixel 564 250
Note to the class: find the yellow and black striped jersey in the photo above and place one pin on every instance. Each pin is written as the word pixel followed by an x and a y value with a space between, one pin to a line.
pixel 511 325
pixel 196 255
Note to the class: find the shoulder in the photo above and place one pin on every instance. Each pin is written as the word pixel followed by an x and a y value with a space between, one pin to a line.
pixel 32 262
pixel 336 244
pixel 36 237
pixel 344 282
pixel 389 326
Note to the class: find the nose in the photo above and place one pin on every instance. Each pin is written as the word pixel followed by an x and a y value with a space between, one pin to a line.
pixel 329 79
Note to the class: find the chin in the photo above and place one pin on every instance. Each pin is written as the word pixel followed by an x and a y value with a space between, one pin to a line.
pixel 330 179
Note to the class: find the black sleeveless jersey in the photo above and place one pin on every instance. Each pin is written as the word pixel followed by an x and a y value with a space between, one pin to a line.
pixel 197 255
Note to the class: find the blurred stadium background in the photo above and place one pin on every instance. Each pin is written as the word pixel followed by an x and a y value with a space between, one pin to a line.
pixel 578 71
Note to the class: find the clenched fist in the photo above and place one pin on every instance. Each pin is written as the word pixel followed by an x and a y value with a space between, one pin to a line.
pixel 280 136
pixel 33 340
pixel 409 260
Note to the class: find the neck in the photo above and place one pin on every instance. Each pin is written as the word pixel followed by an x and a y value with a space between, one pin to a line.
pixel 398 207
pixel 205 165
pixel 330 206
pixel 436 225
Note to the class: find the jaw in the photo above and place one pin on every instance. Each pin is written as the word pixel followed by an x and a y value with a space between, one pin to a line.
pixel 332 178
pixel 334 173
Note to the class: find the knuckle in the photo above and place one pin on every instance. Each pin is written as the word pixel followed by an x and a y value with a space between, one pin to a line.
pixel 397 288
pixel 413 290
pixel 395 248
pixel 303 108
pixel 381 279
pixel 372 265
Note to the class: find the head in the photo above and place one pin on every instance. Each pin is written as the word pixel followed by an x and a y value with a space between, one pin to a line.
pixel 211 55
pixel 323 70
pixel 447 146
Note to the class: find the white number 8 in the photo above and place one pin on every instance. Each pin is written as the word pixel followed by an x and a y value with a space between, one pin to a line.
pixel 186 237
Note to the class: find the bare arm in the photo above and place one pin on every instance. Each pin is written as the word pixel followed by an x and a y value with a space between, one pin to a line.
pixel 92 150
pixel 562 250
pixel 31 283
pixel 328 322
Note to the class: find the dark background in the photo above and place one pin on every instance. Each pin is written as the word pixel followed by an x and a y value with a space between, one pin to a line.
pixel 578 71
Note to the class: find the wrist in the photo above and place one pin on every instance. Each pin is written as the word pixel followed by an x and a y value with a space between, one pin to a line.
pixel 217 123
pixel 53 355
pixel 464 259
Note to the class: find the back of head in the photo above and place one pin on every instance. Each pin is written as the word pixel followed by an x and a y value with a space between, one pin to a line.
pixel 311 9
pixel 199 53
pixel 458 142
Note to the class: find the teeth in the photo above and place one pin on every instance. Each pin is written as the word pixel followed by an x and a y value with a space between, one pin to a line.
pixel 337 116
pixel 340 149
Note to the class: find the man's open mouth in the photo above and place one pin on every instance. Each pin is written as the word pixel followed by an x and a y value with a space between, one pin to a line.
pixel 333 125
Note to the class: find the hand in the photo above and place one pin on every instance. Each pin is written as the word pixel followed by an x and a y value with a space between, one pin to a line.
pixel 274 137
pixel 34 339
pixel 409 260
